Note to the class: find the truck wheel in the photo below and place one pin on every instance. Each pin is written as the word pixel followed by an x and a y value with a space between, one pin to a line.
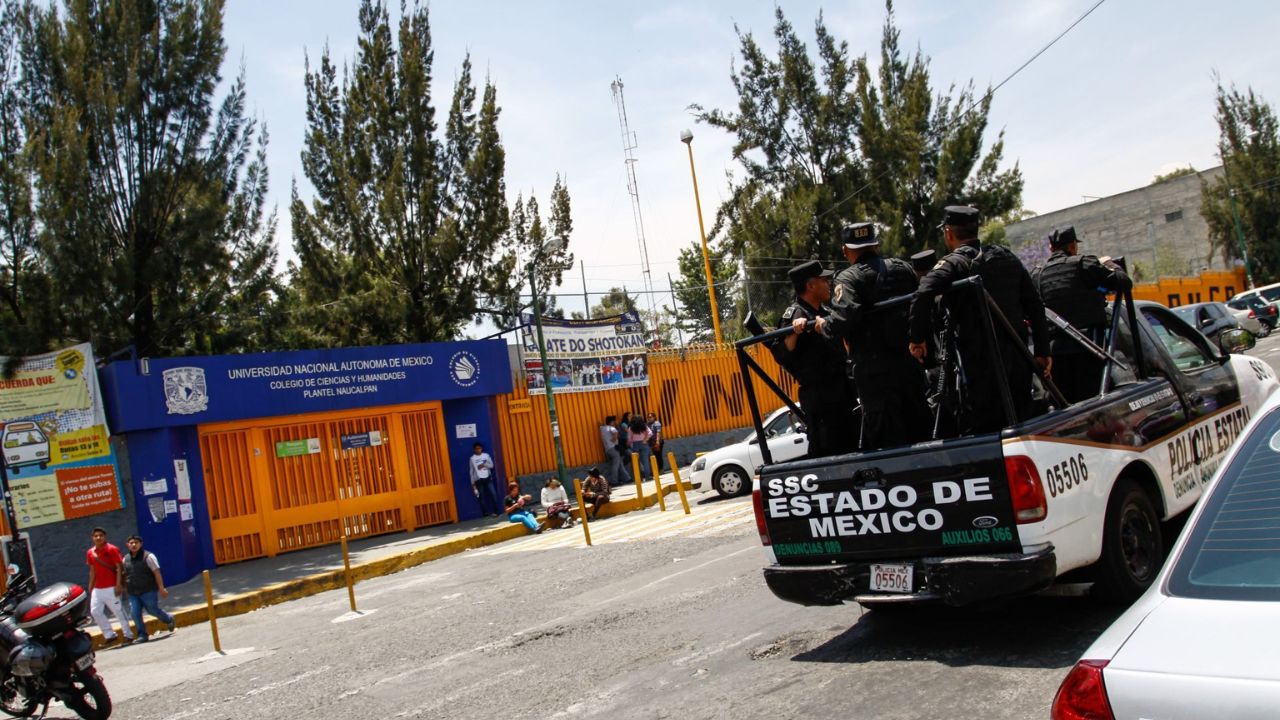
pixel 731 481
pixel 1132 549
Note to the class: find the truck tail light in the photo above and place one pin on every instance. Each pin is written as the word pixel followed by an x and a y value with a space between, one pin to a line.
pixel 1025 489
pixel 757 502
pixel 1083 695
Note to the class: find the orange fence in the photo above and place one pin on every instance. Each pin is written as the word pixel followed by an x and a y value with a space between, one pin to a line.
pixel 698 393
pixel 1210 286
pixel 281 484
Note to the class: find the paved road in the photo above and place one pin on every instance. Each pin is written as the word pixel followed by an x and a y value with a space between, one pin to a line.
pixel 666 617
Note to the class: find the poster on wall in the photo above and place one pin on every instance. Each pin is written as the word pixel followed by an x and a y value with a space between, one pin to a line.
pixel 55 439
pixel 586 355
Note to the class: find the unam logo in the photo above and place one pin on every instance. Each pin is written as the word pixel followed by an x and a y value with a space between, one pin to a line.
pixel 185 391
pixel 464 368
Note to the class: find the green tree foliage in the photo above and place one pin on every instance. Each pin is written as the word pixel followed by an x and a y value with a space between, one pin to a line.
pixel 1174 173
pixel 691 292
pixel 825 140
pixel 614 302
pixel 407 236
pixel 27 307
pixel 530 232
pixel 1249 147
pixel 151 198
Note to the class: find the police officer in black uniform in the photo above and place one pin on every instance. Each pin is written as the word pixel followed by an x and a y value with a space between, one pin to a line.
pixel 1074 286
pixel 890 385
pixel 818 363
pixel 1010 286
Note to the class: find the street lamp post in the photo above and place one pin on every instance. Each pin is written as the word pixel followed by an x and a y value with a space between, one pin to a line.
pixel 549 247
pixel 686 137
pixel 1244 253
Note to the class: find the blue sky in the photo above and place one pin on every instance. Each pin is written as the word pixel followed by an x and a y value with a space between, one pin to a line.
pixel 1124 96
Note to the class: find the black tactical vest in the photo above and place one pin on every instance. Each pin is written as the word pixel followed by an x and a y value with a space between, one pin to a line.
pixel 1067 290
pixel 138 578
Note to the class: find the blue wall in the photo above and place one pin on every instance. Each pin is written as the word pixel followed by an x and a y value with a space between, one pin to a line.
pixel 158 404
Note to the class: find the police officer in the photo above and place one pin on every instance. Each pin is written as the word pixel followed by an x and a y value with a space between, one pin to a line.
pixel 1010 286
pixel 1073 285
pixel 818 363
pixel 890 385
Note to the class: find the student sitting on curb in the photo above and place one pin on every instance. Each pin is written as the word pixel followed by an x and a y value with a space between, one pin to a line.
pixel 595 491
pixel 514 503
pixel 556 503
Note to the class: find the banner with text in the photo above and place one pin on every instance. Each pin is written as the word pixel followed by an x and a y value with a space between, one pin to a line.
pixel 584 355
pixel 54 433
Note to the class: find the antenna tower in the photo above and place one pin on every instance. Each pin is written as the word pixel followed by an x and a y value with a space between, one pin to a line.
pixel 628 148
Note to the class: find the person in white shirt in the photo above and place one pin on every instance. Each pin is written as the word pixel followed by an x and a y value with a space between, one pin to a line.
pixel 614 470
pixel 482 480
pixel 555 502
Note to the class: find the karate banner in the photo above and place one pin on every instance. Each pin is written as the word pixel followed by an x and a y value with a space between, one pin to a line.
pixel 585 355
pixel 55 440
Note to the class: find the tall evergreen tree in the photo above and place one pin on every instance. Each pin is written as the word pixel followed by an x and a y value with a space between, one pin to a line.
pixel 151 198
pixel 691 292
pixel 407 235
pixel 823 140
pixel 1249 146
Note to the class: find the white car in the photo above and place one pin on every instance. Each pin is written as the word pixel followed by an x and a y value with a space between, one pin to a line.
pixel 729 470
pixel 1248 320
pixel 25 444
pixel 1204 641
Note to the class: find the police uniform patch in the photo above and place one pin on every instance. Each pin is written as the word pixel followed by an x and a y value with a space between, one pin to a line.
pixel 941 264
pixel 788 313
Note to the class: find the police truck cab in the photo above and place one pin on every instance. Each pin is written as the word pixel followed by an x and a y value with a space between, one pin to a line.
pixel 1081 489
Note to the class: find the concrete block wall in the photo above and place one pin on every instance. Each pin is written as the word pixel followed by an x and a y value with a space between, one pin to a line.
pixel 1159 226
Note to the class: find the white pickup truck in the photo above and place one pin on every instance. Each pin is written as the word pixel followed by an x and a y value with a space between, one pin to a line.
pixel 1082 488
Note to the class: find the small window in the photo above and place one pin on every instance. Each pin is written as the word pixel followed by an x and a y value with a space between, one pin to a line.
pixel 1184 345
pixel 1174 216
pixel 1122 348
pixel 781 425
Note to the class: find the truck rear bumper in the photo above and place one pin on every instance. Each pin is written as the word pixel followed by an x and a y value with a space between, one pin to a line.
pixel 948 580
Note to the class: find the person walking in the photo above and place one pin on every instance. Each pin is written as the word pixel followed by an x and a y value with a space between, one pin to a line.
pixel 818 363
pixel 481 466
pixel 614 469
pixel 1074 286
pixel 145 584
pixel 1009 284
pixel 106 583
pixel 890 384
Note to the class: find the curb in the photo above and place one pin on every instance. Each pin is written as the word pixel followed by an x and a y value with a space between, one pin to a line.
pixel 335 579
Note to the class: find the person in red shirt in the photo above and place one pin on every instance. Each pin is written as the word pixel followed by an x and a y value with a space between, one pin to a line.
pixel 106 583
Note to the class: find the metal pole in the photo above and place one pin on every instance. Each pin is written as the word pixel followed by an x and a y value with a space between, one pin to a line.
pixel 546 381
pixel 657 481
pixel 582 509
pixel 18 553
pixel 706 255
pixel 1244 253
pixel 675 473
pixel 213 613
pixel 346 571
pixel 586 301
pixel 675 310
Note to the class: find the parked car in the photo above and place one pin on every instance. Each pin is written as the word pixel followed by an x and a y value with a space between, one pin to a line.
pixel 1210 318
pixel 1267 313
pixel 1248 319
pixel 731 469
pixel 1204 640
pixel 1270 293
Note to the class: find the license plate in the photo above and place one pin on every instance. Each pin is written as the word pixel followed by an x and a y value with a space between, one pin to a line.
pixel 891 578
pixel 84 661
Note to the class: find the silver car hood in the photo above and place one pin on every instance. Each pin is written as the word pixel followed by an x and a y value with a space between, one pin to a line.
pixel 1199 659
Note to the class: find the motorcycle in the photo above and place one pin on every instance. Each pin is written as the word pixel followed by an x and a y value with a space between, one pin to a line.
pixel 43 652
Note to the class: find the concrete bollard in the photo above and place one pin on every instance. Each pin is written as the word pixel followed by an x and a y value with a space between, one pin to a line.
pixel 675 472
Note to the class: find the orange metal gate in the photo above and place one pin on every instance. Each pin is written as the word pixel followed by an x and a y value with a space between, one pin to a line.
pixel 281 484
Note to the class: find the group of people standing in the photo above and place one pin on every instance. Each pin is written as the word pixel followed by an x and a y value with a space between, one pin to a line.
pixel 637 434
pixel 894 360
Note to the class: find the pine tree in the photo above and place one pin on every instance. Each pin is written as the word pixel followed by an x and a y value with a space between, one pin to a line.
pixel 691 292
pixel 407 237
pixel 1249 146
pixel 150 197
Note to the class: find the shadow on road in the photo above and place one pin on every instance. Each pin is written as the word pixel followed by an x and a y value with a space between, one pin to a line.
pixel 1036 632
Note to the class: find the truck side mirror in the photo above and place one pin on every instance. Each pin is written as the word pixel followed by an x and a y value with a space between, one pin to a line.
pixel 1236 341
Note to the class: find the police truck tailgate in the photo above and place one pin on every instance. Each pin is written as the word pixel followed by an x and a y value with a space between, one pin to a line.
pixel 895 525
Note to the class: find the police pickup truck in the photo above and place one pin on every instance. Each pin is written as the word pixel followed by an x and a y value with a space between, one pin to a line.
pixel 1081 488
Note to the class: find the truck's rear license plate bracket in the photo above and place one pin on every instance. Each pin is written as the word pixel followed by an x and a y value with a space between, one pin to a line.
pixel 892 578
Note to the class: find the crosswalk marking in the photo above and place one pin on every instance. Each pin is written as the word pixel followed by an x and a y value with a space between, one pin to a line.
pixel 711 520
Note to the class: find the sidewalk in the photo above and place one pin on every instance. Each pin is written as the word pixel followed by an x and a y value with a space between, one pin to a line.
pixel 246 586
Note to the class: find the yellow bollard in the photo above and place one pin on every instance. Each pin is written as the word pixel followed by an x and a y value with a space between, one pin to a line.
pixel 346 568
pixel 635 473
pixel 213 616
pixel 657 482
pixel 675 472
pixel 582 509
